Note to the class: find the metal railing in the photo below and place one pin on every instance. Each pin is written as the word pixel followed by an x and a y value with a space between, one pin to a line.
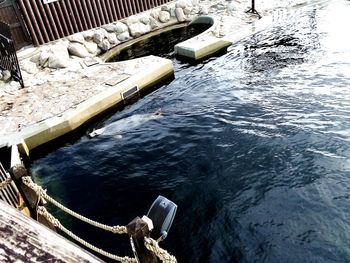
pixel 8 58
pixel 9 193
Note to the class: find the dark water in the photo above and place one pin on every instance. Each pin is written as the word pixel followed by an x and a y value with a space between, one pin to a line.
pixel 253 146
pixel 163 42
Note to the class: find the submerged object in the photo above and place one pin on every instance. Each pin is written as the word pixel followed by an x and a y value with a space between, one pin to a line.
pixel 162 214
pixel 124 125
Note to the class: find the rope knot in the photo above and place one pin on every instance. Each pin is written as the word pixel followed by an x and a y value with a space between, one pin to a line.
pixel 54 221
pixel 119 230
pixel 162 254
pixel 36 188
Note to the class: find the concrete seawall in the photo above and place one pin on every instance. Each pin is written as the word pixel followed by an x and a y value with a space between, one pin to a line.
pixel 52 128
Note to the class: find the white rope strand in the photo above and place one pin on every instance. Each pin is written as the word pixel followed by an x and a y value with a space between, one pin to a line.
pixel 42 193
pixel 42 210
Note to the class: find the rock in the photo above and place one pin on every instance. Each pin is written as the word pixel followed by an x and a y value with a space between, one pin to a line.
pixel 112 39
pixel 204 10
pixel 172 12
pixel 44 58
pixel 78 38
pixel 120 27
pixel 6 76
pixel 62 43
pixel 88 35
pixel 231 7
pixel 164 16
pixel 155 14
pixel 180 14
pixel 15 84
pixel 98 36
pixel 153 23
pixel 79 50
pixel 35 59
pixel 195 10
pixel 29 67
pixel 183 4
pixel 91 47
pixel 139 29
pixel 123 36
pixel 145 20
pixel 165 8
pixel 59 56
pixel 98 52
pixel 187 10
pixel 56 61
pixel 104 31
pixel 110 28
pixel 220 7
pixel 105 45
pixel 131 20
pixel 1 76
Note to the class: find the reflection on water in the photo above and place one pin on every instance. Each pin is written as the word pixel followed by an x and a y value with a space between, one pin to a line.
pixel 163 42
pixel 253 146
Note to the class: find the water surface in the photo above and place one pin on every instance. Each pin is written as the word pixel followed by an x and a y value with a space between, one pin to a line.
pixel 254 147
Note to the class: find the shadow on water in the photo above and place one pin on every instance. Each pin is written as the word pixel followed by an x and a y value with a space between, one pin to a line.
pixel 161 45
pixel 253 146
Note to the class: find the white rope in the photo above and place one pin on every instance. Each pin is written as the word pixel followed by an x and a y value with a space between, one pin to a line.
pixel 150 243
pixel 162 254
pixel 42 193
pixel 5 183
pixel 42 210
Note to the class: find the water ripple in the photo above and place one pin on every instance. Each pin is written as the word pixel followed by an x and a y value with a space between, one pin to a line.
pixel 254 147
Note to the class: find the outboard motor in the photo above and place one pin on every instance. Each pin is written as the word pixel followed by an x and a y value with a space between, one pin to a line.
pixel 162 214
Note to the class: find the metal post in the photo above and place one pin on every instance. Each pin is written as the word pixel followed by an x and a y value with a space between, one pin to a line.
pixel 30 197
pixel 138 230
pixel 253 10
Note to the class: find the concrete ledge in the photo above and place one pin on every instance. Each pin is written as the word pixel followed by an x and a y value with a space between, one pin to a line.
pixel 117 49
pixel 50 129
pixel 201 49
pixel 203 45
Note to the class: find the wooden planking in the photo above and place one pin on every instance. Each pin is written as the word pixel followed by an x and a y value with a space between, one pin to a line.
pixel 24 240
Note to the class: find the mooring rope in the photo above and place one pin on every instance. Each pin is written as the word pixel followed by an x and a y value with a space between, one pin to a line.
pixel 150 243
pixel 42 210
pixel 42 193
pixel 162 254
pixel 5 183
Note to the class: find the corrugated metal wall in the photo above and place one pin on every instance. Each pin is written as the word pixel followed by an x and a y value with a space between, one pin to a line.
pixel 47 22
pixel 9 13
